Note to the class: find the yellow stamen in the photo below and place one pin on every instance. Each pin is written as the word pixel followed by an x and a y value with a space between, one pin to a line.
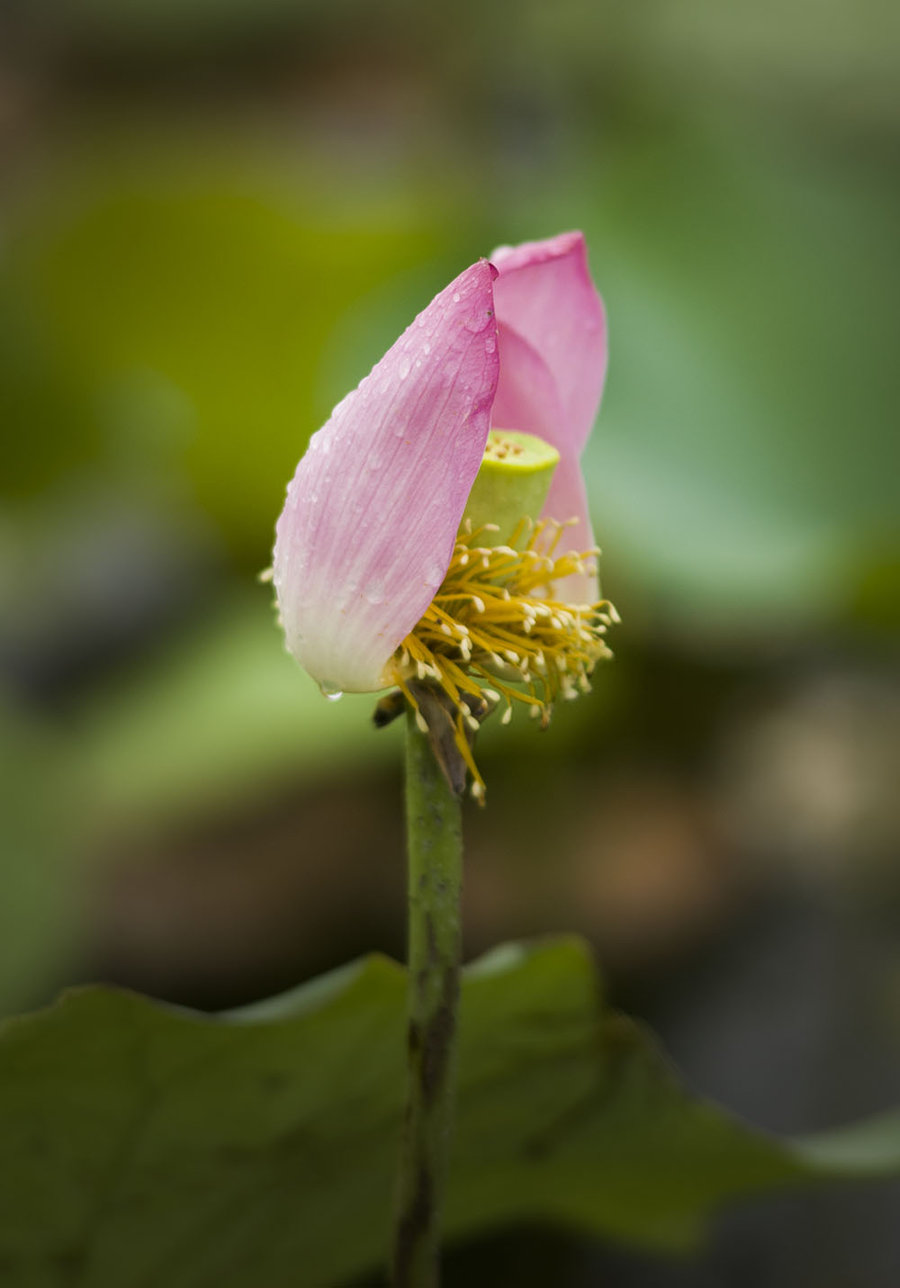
pixel 495 622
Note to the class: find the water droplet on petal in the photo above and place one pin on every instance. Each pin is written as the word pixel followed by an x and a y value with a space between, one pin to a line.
pixel 374 592
pixel 434 574
pixel 456 297
pixel 403 369
pixel 330 691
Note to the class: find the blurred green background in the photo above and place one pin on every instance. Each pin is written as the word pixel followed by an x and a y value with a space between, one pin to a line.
pixel 215 218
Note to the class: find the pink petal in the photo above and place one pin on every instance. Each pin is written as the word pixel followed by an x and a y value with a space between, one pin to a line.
pixel 372 512
pixel 553 354
pixel 527 400
pixel 567 499
pixel 545 294
pixel 527 395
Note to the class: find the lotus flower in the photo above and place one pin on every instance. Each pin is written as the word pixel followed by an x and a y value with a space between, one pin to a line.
pixel 377 581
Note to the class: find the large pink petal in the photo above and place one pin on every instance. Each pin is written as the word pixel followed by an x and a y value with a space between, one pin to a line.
pixel 545 294
pixel 372 512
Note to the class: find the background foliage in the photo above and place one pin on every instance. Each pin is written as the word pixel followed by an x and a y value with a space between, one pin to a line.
pixel 262 1150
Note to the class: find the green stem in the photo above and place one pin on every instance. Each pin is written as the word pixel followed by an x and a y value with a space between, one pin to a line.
pixel 434 839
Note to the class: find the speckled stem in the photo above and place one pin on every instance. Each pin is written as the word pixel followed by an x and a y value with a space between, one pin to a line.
pixel 434 839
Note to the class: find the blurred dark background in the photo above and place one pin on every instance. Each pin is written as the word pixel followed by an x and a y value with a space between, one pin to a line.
pixel 214 218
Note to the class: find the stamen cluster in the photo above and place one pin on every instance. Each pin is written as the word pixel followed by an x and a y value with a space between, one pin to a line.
pixel 495 632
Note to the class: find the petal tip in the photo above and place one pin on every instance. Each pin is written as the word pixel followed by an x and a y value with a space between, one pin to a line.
pixel 528 253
